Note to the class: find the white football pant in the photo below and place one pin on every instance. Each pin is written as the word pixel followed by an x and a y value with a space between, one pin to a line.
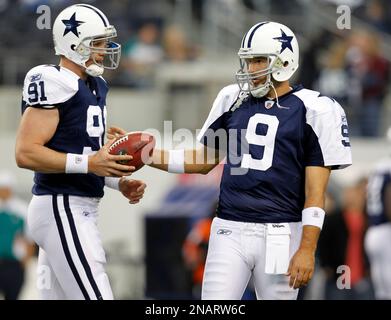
pixel 71 257
pixel 377 246
pixel 236 251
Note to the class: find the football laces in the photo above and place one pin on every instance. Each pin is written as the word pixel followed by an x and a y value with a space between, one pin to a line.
pixel 118 142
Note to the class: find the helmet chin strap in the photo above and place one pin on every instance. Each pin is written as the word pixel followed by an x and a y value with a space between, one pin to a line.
pixel 262 90
pixel 277 102
pixel 94 70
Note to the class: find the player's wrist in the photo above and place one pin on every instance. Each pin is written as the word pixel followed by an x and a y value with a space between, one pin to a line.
pixel 313 216
pixel 176 161
pixel 91 163
pixel 308 246
pixel 113 182
pixel 76 163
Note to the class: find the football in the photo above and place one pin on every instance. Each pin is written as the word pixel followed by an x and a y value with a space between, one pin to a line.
pixel 137 144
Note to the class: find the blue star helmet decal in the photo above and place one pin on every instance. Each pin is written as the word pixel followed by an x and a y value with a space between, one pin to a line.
pixel 285 41
pixel 71 25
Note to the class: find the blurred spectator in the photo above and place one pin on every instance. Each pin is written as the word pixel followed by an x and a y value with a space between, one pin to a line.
pixel 368 72
pixel 333 79
pixel 342 243
pixel 177 47
pixel 142 56
pixel 15 248
pixel 376 13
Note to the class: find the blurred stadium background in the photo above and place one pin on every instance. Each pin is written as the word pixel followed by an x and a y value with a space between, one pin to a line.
pixel 177 54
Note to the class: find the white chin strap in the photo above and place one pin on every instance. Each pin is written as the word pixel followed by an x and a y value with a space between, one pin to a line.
pixel 262 90
pixel 94 70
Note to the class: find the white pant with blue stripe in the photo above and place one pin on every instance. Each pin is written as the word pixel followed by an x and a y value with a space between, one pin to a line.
pixel 71 257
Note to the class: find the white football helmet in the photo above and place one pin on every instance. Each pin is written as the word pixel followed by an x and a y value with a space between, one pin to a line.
pixel 278 44
pixel 75 31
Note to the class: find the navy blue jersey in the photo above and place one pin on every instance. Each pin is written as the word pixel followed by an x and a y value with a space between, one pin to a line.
pixel 378 182
pixel 82 111
pixel 268 147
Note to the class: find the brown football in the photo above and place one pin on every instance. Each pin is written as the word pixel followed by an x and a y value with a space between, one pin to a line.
pixel 137 144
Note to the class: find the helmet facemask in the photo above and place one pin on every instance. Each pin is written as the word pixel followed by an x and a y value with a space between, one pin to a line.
pixel 111 52
pixel 246 79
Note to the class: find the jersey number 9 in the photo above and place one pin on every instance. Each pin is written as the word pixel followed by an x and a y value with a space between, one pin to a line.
pixel 267 141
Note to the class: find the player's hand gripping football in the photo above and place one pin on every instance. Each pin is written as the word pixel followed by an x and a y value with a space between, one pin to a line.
pixel 301 268
pixel 105 165
pixel 133 190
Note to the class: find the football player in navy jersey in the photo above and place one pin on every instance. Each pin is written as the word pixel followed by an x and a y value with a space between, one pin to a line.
pixel 280 142
pixel 379 217
pixel 61 138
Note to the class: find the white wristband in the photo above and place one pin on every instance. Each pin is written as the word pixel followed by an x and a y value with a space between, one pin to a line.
pixel 76 163
pixel 176 161
pixel 313 216
pixel 112 182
